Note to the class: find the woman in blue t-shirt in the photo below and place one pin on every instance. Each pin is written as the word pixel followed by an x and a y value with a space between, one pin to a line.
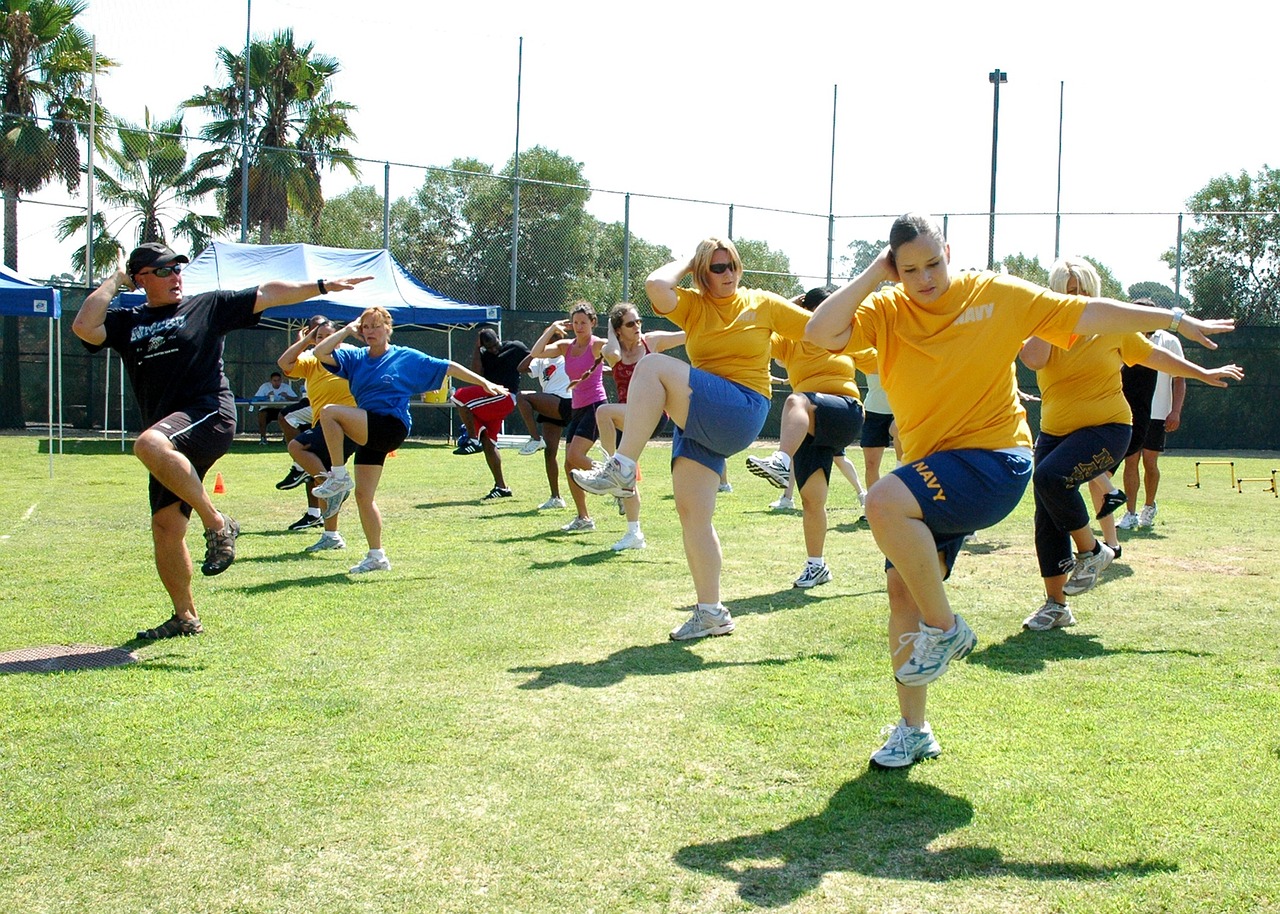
pixel 383 377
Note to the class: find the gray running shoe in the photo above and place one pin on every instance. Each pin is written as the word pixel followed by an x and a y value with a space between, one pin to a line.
pixel 1147 516
pixel 905 746
pixel 1051 615
pixel 812 576
pixel 578 525
pixel 630 541
pixel 327 541
pixel 334 485
pixel 608 479
pixel 1087 569
pixel 932 650
pixel 771 468
pixel 704 622
pixel 369 563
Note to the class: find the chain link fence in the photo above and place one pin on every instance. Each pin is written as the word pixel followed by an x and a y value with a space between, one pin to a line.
pixel 533 245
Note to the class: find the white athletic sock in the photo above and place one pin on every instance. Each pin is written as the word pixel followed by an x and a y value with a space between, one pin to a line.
pixel 296 467
pixel 625 462
pixel 781 457
pixel 816 560
pixel 313 512
pixel 633 526
pixel 377 554
pixel 717 608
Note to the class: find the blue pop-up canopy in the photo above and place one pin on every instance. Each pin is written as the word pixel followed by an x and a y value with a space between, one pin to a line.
pixel 225 265
pixel 23 298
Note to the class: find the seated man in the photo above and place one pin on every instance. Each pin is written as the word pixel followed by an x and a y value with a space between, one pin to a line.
pixel 274 391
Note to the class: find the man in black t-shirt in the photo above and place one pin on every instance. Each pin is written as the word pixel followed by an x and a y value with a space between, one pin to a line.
pixel 498 362
pixel 172 350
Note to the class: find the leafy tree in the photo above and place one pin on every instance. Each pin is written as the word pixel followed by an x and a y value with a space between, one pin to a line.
pixel 862 254
pixel 1111 287
pixel 765 268
pixel 46 64
pixel 296 127
pixel 602 281
pixel 1159 293
pixel 154 189
pixel 1028 268
pixel 1232 258
pixel 349 220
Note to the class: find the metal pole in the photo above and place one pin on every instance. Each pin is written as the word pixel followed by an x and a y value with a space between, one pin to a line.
pixel 52 329
pixel 1177 266
pixel 386 206
pixel 626 248
pixel 244 130
pixel 515 182
pixel 730 221
pixel 831 190
pixel 1057 206
pixel 93 117
pixel 996 77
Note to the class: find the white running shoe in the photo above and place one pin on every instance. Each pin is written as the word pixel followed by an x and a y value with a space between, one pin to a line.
pixel 1147 517
pixel 726 488
pixel 704 622
pixel 579 525
pixel 532 446
pixel 1051 615
pixel 783 504
pixel 812 576
pixel 332 506
pixel 369 563
pixel 630 541
pixel 327 541
pixel 555 502
pixel 932 650
pixel 905 746
pixel 607 479
pixel 1128 522
pixel 1087 569
pixel 334 485
pixel 771 468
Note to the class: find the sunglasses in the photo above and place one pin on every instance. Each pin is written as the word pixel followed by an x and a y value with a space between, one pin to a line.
pixel 634 323
pixel 719 268
pixel 164 272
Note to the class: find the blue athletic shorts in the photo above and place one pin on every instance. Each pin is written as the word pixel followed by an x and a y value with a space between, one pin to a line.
pixel 963 491
pixel 875 429
pixel 724 418
pixel 837 420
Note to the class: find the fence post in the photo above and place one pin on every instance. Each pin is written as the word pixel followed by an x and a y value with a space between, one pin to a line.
pixel 386 206
pixel 730 221
pixel 1177 266
pixel 626 247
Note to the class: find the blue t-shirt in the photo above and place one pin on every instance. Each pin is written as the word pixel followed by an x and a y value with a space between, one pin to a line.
pixel 385 384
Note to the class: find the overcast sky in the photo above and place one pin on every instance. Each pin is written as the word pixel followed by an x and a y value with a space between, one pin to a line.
pixel 733 103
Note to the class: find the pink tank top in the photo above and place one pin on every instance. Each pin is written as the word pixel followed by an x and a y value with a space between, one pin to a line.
pixel 591 389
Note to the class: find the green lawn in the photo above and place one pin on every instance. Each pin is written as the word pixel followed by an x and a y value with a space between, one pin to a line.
pixel 500 723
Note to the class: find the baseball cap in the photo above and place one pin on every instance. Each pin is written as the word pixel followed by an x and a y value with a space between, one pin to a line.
pixel 153 254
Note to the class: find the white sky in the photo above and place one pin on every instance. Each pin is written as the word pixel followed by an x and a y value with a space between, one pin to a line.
pixel 733 103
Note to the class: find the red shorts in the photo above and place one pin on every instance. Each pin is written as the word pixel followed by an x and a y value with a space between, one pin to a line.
pixel 488 409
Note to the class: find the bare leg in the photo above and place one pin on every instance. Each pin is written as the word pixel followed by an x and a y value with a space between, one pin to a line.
pixel 813 497
pixel 173 560
pixel 694 486
pixel 551 457
pixel 575 458
pixel 493 459
pixel 338 422
pixel 1131 479
pixel 314 466
pixel 660 384
pixel 797 422
pixel 367 477
pixel 898 525
pixel 1150 475
pixel 844 465
pixel 871 457
pixel 174 471
pixel 610 419
pixel 904 618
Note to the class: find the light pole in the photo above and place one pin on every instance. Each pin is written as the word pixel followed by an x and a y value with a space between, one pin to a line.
pixel 996 77
pixel 244 129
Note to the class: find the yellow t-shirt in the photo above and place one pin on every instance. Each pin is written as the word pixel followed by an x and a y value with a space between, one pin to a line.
pixel 738 353
pixel 948 366
pixel 1080 386
pixel 324 388
pixel 812 369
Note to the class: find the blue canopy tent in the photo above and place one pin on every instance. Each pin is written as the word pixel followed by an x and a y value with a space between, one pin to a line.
pixel 22 298
pixel 411 303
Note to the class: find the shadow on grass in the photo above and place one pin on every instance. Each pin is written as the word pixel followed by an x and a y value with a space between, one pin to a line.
pixel 667 658
pixel 1031 652
pixel 460 503
pixel 86 659
pixel 320 580
pixel 790 598
pixel 981 548
pixel 879 825
pixel 587 559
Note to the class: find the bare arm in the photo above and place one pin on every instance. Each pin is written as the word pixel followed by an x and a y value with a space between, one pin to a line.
pixel 832 323
pixel 1035 353
pixel 289 358
pixel 612 351
pixel 465 374
pixel 1163 360
pixel 1178 393
pixel 279 292
pixel 1105 315
pixel 662 282
pixel 90 323
pixel 324 348
pixel 662 340
pixel 551 343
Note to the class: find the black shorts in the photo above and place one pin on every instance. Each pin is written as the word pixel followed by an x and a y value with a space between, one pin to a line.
pixel 837 422
pixel 386 433
pixel 583 423
pixel 201 439
pixel 565 413
pixel 270 413
pixel 312 439
pixel 1154 439
pixel 875 430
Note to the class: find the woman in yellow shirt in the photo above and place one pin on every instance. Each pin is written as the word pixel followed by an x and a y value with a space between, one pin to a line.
pixel 947 346
pixel 1085 424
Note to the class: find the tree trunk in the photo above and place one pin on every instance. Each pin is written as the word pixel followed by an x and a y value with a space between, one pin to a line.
pixel 10 350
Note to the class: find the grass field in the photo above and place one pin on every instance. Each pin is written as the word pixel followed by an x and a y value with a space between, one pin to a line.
pixel 499 724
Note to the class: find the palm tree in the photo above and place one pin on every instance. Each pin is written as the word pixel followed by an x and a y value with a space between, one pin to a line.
pixel 153 189
pixel 295 126
pixel 46 64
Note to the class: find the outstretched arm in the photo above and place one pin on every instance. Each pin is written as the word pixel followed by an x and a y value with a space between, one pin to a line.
pixel 279 292
pixel 1163 360
pixel 465 374
pixel 1105 315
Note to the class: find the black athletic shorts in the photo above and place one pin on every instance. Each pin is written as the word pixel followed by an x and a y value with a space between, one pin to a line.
pixel 386 433
pixel 201 439
pixel 1154 439
pixel 583 423
pixel 875 430
pixel 312 439
pixel 565 413
pixel 837 422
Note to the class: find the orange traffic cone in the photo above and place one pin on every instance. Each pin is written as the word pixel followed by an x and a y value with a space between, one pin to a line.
pixel 391 454
pixel 219 488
